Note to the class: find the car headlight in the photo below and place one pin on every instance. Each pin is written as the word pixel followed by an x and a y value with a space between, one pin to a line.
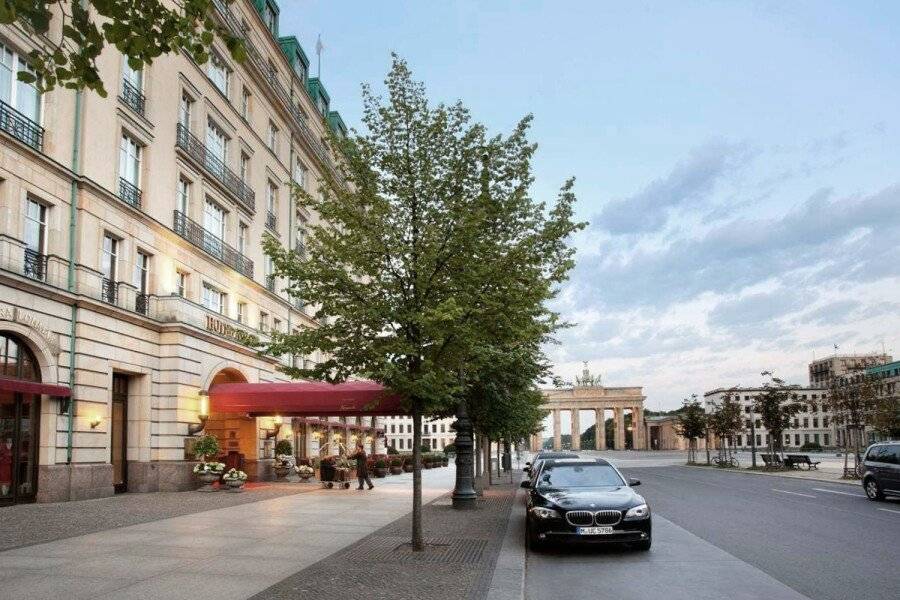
pixel 637 513
pixel 544 513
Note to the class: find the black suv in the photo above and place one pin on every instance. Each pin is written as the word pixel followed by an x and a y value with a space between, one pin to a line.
pixel 881 470
pixel 585 500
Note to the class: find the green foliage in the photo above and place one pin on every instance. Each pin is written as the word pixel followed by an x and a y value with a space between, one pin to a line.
pixel 776 406
pixel 811 447
pixel 391 450
pixel 449 449
pixel 283 448
pixel 206 446
pixel 380 464
pixel 726 420
pixel 75 33
pixel 396 462
pixel 691 424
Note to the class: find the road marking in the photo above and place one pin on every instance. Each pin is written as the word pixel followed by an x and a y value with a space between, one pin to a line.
pixel 794 493
pixel 841 493
pixel 890 510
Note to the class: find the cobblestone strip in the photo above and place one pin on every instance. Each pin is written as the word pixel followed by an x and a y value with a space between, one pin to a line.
pixel 457 565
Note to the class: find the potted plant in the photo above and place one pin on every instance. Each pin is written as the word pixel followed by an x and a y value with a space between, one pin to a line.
pixel 284 458
pixel 407 464
pixel 305 472
pixel 396 466
pixel 207 472
pixel 380 469
pixel 234 479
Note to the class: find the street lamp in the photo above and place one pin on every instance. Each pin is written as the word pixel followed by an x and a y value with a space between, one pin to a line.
pixel 202 414
pixel 270 433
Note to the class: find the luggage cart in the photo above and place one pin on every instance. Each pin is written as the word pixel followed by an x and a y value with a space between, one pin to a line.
pixel 332 476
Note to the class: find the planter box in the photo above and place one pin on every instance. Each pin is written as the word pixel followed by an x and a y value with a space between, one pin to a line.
pixel 380 472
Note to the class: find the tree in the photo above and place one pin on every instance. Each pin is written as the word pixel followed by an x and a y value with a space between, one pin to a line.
pixel 433 251
pixel 691 425
pixel 776 407
pixel 725 422
pixel 73 34
pixel 855 403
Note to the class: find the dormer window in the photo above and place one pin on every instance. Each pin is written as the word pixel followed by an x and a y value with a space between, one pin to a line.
pixel 270 18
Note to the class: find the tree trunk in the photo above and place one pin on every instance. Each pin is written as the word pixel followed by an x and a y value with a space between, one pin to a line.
pixel 499 461
pixel 706 439
pixel 417 541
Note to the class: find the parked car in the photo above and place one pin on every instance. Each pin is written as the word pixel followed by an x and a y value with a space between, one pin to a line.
pixel 544 455
pixel 881 470
pixel 585 500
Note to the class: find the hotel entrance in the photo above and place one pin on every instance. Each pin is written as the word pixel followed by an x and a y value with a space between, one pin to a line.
pixel 19 418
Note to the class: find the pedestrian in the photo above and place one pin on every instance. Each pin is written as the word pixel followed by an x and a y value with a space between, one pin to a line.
pixel 362 472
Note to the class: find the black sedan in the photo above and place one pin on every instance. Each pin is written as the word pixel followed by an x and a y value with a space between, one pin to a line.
pixel 585 500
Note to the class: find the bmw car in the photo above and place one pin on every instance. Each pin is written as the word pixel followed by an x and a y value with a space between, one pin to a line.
pixel 585 500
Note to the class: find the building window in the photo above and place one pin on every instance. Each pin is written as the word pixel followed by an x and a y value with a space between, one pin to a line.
pixel 219 73
pixel 213 298
pixel 273 137
pixel 826 439
pixel 22 96
pixel 181 284
pixel 243 236
pixel 184 196
pixel 214 219
pixel 35 227
pixel 263 321
pixel 141 277
pixel 272 206
pixel 245 103
pixel 130 161
pixel 797 439
pixel 805 422
pixel 276 325
pixel 300 174
pixel 270 18
pixel 815 422
pixel 245 168
pixel 184 111
pixel 216 145
pixel 109 258
pixel 242 312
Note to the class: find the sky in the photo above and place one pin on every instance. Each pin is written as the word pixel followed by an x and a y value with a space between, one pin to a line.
pixel 737 163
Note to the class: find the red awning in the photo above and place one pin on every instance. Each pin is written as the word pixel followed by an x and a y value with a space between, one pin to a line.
pixel 33 387
pixel 306 398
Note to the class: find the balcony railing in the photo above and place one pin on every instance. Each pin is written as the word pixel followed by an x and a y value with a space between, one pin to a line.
pixel 142 303
pixel 211 244
pixel 109 291
pixel 132 97
pixel 271 221
pixel 21 127
pixel 198 151
pixel 129 193
pixel 270 283
pixel 35 265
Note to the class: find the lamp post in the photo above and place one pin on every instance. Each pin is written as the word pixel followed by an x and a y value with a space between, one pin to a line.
pixel 464 494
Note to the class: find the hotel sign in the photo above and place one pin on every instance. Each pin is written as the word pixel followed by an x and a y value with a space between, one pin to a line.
pixel 12 313
pixel 220 327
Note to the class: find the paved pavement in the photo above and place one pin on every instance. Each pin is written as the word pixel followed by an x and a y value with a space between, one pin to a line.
pixel 730 535
pixel 232 552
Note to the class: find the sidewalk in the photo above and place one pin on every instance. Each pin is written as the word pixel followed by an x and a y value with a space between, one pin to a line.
pixel 304 540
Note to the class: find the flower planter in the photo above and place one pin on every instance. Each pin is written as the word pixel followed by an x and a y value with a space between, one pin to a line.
pixel 380 472
pixel 234 485
pixel 427 465
pixel 208 478
pixel 407 468
pixel 396 470
pixel 281 471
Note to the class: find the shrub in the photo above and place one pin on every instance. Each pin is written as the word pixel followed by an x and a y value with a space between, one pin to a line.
pixel 208 445
pixel 450 449
pixel 396 462
pixel 811 447
pixel 392 450
pixel 425 448
pixel 380 464
pixel 284 447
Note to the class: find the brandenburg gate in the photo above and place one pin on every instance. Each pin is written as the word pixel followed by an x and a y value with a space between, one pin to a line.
pixel 589 394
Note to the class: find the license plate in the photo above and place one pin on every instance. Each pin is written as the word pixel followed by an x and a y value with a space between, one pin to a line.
pixel 595 530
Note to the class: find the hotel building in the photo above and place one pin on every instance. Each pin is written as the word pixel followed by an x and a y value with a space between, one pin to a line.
pixel 132 276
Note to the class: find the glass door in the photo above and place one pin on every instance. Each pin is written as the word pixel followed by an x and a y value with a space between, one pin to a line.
pixel 18 443
pixel 7 445
pixel 118 432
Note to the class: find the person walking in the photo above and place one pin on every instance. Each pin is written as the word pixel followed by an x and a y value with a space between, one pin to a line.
pixel 362 471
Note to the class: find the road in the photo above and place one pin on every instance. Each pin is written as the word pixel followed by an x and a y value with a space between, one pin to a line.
pixel 732 535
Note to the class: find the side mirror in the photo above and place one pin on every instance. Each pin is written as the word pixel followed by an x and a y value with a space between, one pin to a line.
pixel 525 484
pixel 633 482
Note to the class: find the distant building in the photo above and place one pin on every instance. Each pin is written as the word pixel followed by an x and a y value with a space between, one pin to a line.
pixel 823 371
pixel 662 434
pixel 812 425
pixel 437 434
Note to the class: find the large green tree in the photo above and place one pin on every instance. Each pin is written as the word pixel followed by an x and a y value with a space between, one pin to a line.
pixel 73 33
pixel 432 251
pixel 691 424
pixel 776 405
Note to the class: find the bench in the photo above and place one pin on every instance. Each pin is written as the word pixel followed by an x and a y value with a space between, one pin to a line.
pixel 772 461
pixel 795 461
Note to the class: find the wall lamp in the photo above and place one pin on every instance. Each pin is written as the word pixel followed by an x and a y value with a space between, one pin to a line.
pixel 95 421
pixel 270 433
pixel 203 414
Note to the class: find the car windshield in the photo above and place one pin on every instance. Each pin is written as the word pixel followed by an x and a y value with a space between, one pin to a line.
pixel 586 475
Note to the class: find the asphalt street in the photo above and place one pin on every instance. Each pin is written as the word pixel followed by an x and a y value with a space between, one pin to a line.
pixel 732 535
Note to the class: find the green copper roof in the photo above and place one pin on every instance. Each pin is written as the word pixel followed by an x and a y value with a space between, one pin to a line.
pixel 261 4
pixel 337 123
pixel 888 368
pixel 291 47
pixel 317 90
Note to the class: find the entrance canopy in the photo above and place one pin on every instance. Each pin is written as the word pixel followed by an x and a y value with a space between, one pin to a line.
pixel 33 387
pixel 305 398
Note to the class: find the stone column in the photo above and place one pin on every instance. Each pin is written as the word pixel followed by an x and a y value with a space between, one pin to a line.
pixel 464 493
pixel 557 433
pixel 600 429
pixel 576 430
pixel 620 429
pixel 637 422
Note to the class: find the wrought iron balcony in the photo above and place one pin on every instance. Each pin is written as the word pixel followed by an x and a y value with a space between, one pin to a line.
pixel 132 97
pixel 270 283
pixel 271 221
pixel 198 151
pixel 211 244
pixel 142 303
pixel 300 249
pixel 35 265
pixel 129 193
pixel 109 291
pixel 21 127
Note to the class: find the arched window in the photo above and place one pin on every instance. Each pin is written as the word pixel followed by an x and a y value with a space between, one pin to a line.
pixel 16 359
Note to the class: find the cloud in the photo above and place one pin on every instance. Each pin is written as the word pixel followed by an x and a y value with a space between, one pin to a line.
pixel 757 309
pixel 835 312
pixel 689 182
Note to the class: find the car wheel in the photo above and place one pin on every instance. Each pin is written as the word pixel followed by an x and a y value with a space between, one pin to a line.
pixel 643 546
pixel 873 490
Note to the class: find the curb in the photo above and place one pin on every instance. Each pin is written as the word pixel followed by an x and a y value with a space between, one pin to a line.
pixel 508 581
pixel 772 474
